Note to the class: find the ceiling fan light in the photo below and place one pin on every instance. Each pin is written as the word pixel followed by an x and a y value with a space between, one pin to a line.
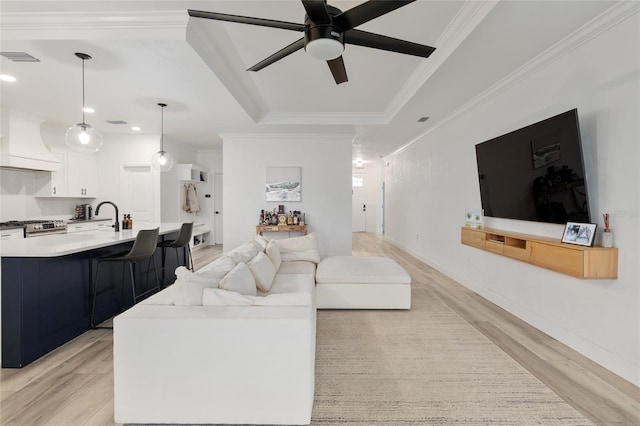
pixel 83 138
pixel 325 49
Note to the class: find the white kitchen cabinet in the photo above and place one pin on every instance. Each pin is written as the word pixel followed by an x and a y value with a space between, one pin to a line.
pixel 77 178
pixel 54 184
pixel 88 226
pixel 11 234
pixel 82 175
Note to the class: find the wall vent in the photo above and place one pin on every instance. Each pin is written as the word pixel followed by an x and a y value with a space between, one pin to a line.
pixel 19 57
pixel 116 122
pixel 422 119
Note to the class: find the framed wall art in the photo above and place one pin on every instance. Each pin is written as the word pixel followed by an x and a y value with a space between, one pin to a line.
pixel 283 184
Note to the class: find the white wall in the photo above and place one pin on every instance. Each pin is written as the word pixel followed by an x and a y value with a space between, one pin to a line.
pixel 433 181
pixel 119 150
pixel 326 185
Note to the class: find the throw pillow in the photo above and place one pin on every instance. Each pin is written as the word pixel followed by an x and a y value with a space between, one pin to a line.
pixel 261 241
pixel 239 280
pixel 263 271
pixel 273 251
pixel 244 253
pixel 190 286
pixel 218 268
pixel 300 248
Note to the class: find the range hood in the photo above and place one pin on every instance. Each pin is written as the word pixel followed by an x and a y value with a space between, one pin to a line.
pixel 21 146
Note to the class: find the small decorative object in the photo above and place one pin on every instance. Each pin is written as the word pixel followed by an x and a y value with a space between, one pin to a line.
pixel 283 184
pixel 474 218
pixel 581 234
pixel 282 219
pixel 607 235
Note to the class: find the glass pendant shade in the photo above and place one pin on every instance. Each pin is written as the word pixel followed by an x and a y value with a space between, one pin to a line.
pixel 162 161
pixel 83 138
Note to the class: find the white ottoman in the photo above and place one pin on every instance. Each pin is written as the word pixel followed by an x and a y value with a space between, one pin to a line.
pixel 350 282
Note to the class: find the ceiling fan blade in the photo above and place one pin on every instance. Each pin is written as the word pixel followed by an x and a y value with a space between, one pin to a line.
pixel 317 11
pixel 365 12
pixel 282 53
pixel 246 20
pixel 377 41
pixel 338 70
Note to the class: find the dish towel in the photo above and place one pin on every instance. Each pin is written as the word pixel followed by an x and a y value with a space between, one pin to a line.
pixel 191 204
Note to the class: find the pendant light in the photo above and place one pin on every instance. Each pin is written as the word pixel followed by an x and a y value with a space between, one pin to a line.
pixel 162 160
pixel 82 137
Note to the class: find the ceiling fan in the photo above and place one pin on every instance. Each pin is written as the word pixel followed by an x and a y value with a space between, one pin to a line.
pixel 327 29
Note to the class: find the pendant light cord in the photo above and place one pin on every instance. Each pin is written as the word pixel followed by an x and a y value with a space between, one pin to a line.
pixel 83 122
pixel 162 128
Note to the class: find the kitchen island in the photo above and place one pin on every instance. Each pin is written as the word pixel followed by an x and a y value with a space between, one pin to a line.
pixel 47 284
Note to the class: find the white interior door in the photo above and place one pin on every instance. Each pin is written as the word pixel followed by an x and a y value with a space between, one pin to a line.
pixel 136 193
pixel 217 208
pixel 358 205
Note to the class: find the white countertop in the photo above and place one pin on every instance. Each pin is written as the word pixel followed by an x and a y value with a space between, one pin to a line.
pixel 63 244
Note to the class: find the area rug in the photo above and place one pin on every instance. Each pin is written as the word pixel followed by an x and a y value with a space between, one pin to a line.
pixel 425 366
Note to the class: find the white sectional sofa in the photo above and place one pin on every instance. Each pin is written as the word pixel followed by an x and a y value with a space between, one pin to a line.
pixel 234 343
pixel 197 353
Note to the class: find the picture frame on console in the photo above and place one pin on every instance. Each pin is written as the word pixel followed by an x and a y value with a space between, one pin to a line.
pixel 581 234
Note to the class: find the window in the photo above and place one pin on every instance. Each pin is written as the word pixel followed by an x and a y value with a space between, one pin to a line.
pixel 357 181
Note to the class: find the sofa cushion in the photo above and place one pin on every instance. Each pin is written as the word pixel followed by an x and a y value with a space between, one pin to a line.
pixel 239 280
pixel 273 251
pixel 297 267
pixel 245 252
pixel 216 296
pixel 292 283
pixel 300 248
pixel 356 269
pixel 218 268
pixel 261 241
pixel 189 287
pixel 263 271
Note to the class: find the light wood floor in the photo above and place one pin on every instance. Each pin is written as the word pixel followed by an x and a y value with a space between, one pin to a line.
pixel 73 385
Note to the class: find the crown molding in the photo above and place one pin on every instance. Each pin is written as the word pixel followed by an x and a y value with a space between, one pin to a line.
pixel 268 137
pixel 95 25
pixel 325 118
pixel 604 22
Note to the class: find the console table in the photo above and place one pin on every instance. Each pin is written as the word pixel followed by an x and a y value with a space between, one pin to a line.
pixel 281 228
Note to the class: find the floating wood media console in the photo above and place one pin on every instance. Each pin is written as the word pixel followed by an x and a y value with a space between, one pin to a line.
pixel 574 260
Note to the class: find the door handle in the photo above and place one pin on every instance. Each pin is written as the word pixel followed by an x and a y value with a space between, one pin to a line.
pixel 364 207
pixel 217 212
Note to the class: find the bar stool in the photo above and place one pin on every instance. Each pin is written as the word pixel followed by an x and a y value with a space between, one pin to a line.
pixel 143 248
pixel 181 242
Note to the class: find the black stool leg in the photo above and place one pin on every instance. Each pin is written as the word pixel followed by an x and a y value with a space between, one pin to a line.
pixel 133 282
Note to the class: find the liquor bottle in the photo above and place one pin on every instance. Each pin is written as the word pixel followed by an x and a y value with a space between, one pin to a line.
pixel 295 220
pixel 124 222
pixel 129 222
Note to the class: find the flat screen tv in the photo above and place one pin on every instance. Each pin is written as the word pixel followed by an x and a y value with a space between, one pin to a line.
pixel 535 173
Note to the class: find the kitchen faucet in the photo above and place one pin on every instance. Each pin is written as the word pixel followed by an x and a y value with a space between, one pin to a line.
pixel 116 225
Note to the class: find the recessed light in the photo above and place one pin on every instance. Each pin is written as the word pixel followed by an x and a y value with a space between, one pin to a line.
pixel 89 110
pixel 136 128
pixel 9 78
